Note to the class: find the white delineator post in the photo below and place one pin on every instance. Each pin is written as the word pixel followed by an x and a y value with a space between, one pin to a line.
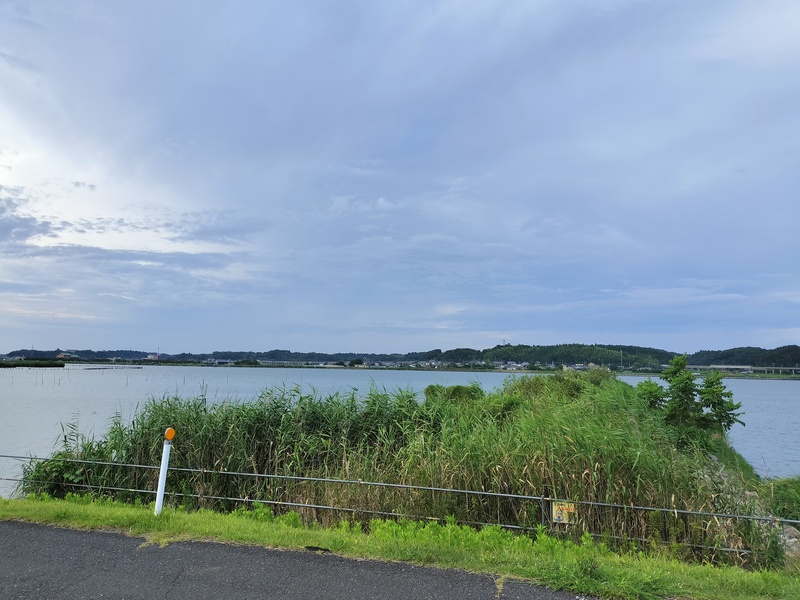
pixel 162 474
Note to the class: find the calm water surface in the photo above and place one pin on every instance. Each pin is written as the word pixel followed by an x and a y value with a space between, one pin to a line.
pixel 35 402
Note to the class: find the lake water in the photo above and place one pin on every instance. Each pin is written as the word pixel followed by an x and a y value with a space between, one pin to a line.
pixel 35 402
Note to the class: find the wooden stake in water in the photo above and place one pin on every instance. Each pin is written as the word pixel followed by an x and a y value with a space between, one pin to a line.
pixel 162 474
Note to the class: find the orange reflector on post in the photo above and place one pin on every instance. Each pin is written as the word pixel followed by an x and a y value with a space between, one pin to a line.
pixel 162 473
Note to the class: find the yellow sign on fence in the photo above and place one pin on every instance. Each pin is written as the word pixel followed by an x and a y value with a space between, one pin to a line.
pixel 563 512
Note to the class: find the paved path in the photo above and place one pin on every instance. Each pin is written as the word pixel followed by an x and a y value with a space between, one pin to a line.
pixel 53 564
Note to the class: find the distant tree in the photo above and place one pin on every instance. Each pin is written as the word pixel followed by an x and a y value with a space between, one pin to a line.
pixel 435 354
pixel 461 355
pixel 783 356
pixel 247 363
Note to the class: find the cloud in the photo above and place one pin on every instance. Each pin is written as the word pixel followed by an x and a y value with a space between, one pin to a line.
pixel 758 34
pixel 15 227
pixel 348 204
pixel 398 175
pixel 19 63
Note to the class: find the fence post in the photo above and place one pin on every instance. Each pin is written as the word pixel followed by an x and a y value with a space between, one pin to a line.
pixel 162 474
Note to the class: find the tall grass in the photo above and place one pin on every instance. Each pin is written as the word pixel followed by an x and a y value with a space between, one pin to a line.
pixel 570 436
pixel 782 496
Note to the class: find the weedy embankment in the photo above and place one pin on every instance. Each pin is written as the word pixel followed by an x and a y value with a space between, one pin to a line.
pixel 579 437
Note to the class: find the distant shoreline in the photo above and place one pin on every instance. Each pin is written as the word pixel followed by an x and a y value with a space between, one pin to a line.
pixel 635 360
pixel 138 364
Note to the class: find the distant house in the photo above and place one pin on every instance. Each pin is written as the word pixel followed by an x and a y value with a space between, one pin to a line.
pixel 219 361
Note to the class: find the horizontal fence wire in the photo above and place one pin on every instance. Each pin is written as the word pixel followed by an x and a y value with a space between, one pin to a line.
pixel 542 501
pixel 593 503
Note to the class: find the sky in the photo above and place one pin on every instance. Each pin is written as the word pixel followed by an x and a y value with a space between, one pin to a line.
pixel 361 176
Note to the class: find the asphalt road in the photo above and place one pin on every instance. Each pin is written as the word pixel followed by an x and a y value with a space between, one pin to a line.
pixel 53 563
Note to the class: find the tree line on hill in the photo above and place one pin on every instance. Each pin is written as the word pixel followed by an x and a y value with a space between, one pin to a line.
pixel 613 356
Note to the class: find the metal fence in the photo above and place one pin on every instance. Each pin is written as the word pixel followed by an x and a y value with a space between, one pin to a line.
pixel 328 499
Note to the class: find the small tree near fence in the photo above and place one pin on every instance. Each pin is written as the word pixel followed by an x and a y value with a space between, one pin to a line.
pixel 696 412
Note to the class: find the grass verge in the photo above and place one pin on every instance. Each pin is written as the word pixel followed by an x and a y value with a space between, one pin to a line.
pixel 584 567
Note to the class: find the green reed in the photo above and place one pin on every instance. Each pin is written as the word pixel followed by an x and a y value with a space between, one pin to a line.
pixel 580 437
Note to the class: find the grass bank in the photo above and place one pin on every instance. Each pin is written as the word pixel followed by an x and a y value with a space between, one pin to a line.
pixel 584 566
pixel 782 496
pixel 573 436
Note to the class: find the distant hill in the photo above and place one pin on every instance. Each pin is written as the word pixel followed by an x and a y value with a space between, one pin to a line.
pixel 629 357
pixel 756 357
pixel 83 354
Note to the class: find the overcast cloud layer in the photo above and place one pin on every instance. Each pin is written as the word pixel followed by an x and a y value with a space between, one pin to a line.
pixel 397 176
